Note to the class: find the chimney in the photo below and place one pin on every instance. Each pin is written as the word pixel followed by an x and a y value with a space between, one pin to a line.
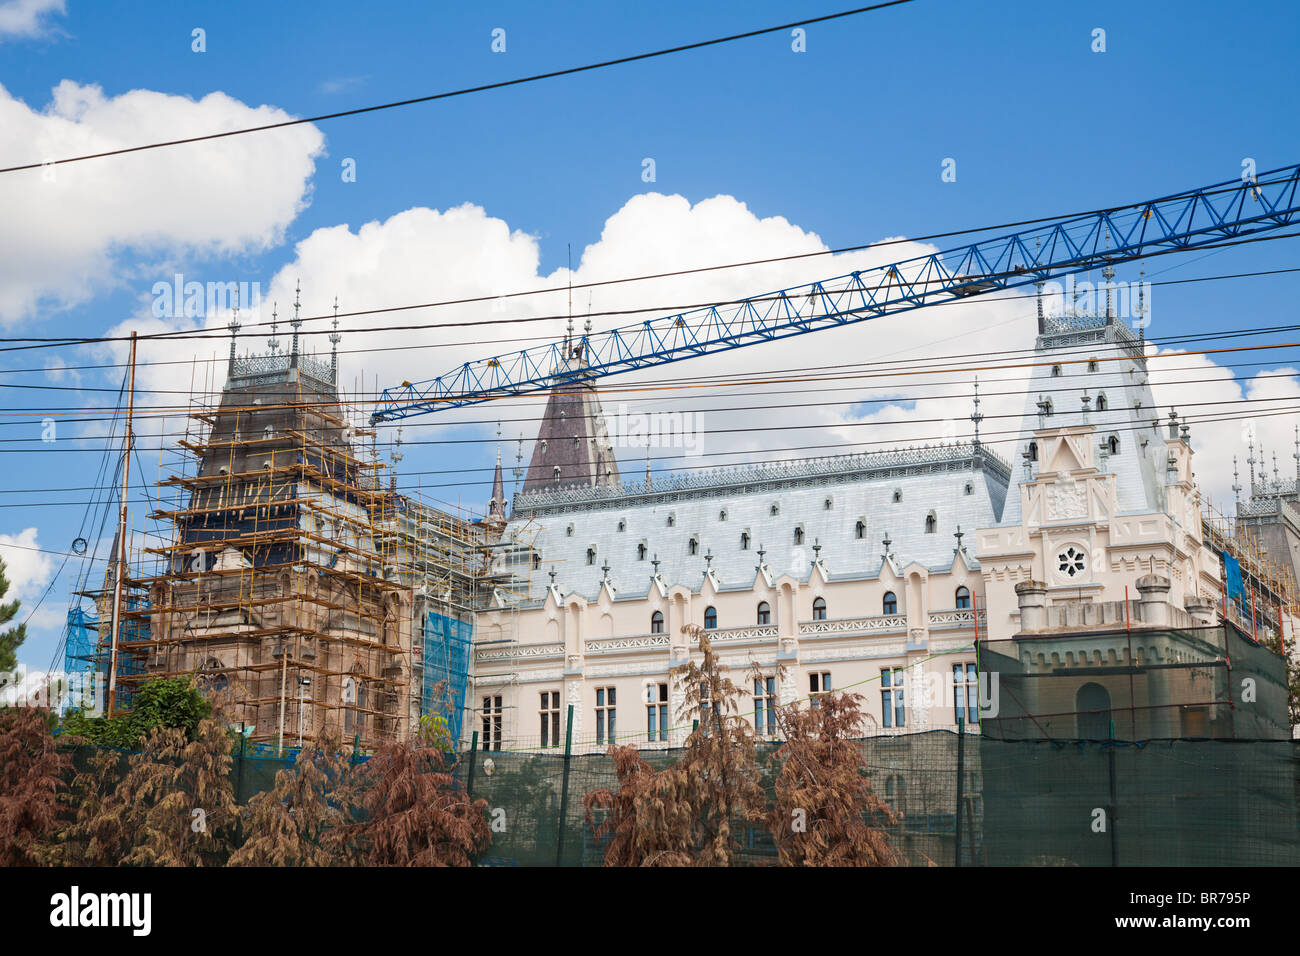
pixel 1033 605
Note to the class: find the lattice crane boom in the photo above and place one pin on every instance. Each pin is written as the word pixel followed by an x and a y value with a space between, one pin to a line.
pixel 1188 220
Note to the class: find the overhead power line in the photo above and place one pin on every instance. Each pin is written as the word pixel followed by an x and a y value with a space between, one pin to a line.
pixel 465 91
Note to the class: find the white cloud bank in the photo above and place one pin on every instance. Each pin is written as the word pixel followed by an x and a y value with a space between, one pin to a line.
pixel 71 230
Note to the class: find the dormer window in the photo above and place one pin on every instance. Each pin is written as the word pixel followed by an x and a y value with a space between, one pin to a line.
pixel 543 446
pixel 970 489
pixel 640 551
pixel 798 534
pixel 722 515
pixel 556 473
pixel 568 532
pixel 775 509
pixel 744 541
pixel 860 529
pixel 591 555
pixel 1033 451
pixel 1092 365
pixel 828 504
pixel 672 520
pixel 1112 444
pixel 693 546
pixel 622 526
pixel 898 495
pixel 930 523
pixel 1101 403
pixel 1056 371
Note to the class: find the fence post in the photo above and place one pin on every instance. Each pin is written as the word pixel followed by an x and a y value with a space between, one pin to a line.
pixel 1114 809
pixel 564 788
pixel 469 773
pixel 961 766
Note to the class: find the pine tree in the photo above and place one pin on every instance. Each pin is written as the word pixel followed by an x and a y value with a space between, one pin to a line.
pixel 297 822
pixel 413 813
pixel 14 636
pixel 31 779
pixel 825 812
pixel 686 814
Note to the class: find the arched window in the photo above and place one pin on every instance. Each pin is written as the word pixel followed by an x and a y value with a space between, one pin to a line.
pixel 963 597
pixel 860 530
pixel 640 551
pixel 1101 403
pixel 898 495
pixel 722 515
pixel 591 555
pixel 556 472
pixel 622 526
pixel 819 609
pixel 1056 371
pixel 1092 712
pixel 744 541
pixel 930 523
pixel 798 535
pixel 657 622
pixel 776 509
pixel 710 618
pixel 764 613
pixel 1112 444
pixel 890 604
pixel 693 546
pixel 1033 451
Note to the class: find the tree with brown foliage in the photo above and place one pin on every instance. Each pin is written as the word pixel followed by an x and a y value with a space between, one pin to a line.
pixel 686 814
pixel 412 811
pixel 31 778
pixel 174 804
pixel 825 812
pixel 297 822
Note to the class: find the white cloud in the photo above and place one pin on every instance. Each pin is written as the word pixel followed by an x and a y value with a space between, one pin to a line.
pixel 422 255
pixel 69 228
pixel 29 573
pixel 26 18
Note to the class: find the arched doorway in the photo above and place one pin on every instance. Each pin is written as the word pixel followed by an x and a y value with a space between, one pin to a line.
pixel 1092 712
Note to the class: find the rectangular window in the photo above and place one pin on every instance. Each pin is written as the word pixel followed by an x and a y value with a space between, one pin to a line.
pixel 765 706
pixel 605 714
pixel 656 711
pixel 891 698
pixel 819 682
pixel 550 718
pixel 965 693
pixel 493 723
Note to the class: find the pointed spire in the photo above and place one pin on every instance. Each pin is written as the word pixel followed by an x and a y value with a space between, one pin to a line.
pixel 1296 456
pixel 1236 483
pixel 335 338
pixel 958 534
pixel 295 323
pixel 1107 274
pixel 1142 305
pixel 519 461
pixel 977 416
pixel 497 506
pixel 1250 460
pixel 273 343
pixel 1275 474
pixel 234 331
pixel 1039 286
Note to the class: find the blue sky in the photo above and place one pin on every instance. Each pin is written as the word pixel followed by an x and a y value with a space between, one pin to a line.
pixel 844 141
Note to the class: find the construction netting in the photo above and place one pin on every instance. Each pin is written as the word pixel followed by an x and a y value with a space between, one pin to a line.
pixel 1019 803
pixel 445 658
pixel 1139 684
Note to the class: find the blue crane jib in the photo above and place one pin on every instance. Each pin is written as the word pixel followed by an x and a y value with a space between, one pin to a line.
pixel 1195 219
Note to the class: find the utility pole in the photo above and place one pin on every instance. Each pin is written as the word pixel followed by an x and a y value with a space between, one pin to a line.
pixel 121 531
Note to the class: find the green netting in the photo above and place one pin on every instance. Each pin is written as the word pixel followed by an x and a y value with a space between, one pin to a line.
pixel 1023 802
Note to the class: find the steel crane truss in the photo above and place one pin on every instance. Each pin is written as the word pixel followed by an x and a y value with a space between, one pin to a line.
pixel 1183 221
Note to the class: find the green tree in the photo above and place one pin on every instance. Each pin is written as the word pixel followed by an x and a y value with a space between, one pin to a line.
pixel 174 702
pixel 14 636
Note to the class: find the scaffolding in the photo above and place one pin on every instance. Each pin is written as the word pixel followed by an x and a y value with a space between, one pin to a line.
pixel 1268 609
